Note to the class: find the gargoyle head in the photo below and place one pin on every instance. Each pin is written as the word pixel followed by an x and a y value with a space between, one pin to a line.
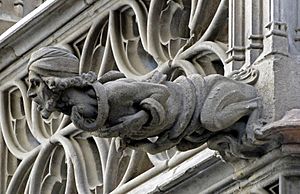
pixel 46 65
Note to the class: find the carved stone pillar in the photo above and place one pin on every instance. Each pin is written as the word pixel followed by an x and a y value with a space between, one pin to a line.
pixel 279 81
pixel 253 30
pixel 236 34
pixel 276 36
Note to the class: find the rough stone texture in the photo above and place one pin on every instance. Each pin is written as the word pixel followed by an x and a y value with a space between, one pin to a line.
pixel 253 41
pixel 285 95
pixel 6 23
pixel 8 16
pixel 12 11
pixel 184 113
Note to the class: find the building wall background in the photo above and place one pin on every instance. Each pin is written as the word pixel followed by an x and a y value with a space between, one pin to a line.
pixel 12 11
pixel 135 37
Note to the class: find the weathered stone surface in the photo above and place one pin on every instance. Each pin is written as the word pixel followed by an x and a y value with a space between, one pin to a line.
pixel 285 131
pixel 183 113
pixel 5 24
pixel 234 38
pixel 12 11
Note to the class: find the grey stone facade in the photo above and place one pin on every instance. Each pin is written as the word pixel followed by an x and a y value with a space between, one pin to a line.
pixel 252 41
pixel 12 11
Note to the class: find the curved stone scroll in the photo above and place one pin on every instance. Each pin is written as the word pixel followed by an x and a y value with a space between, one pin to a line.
pixel 184 113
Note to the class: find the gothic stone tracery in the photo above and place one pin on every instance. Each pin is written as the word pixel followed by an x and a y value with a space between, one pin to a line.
pixel 137 38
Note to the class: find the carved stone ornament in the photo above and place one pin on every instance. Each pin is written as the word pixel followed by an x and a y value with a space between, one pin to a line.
pixel 153 114
pixel 128 83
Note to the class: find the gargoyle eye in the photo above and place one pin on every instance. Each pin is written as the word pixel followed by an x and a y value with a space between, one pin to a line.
pixel 50 83
pixel 35 82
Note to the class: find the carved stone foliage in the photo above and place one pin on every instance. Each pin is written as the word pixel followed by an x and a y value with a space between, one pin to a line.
pixel 136 38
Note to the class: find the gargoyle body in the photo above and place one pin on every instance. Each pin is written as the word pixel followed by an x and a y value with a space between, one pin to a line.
pixel 153 114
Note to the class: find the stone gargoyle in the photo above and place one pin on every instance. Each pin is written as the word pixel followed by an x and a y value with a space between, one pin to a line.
pixel 153 115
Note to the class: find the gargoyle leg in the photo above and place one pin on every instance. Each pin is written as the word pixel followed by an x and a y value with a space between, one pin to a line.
pixel 235 110
pixel 226 104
